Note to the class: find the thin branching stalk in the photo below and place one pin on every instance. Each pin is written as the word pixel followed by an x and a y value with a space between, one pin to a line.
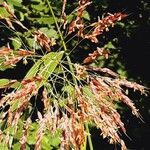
pixel 70 66
pixel 62 39
pixel 89 137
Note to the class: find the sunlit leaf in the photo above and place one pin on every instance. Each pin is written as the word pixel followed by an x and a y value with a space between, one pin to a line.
pixel 16 146
pixel 46 143
pixel 88 92
pixel 69 89
pixel 45 66
pixel 3 12
pixel 51 33
pixel 34 69
pixel 31 139
pixel 10 129
pixel 45 20
pixel 51 61
pixel 86 15
pixel 3 82
pixel 109 45
pixel 55 140
pixel 3 146
pixel 39 7
pixel 16 43
pixel 15 105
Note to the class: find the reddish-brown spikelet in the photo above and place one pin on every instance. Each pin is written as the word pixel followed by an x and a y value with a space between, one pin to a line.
pixel 23 52
pixel 40 132
pixel 18 113
pixel 23 139
pixel 72 133
pixel 8 21
pixel 78 129
pixel 103 25
pixel 93 56
pixel 28 90
pixel 12 61
pixel 80 71
pixel 119 94
pixel 129 103
pixel 63 8
pixel 102 113
pixel 81 101
pixel 82 5
pixel 132 85
pixel 78 22
pixel 9 118
pixel 63 14
pixel 103 70
pixel 33 79
pixel 43 40
pixel 72 27
pixel 5 51
pixel 45 99
pixel 117 119
pixel 52 118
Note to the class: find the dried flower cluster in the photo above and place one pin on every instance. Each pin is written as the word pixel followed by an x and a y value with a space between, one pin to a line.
pixel 18 102
pixel 78 22
pixel 23 139
pixel 95 55
pixel 43 40
pixel 5 51
pixel 12 18
pixel 99 27
pixel 100 108
pixel 11 58
pixel 103 25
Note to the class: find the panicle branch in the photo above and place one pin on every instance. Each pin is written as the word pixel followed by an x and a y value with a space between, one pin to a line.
pixel 103 25
pixel 78 22
pixel 23 139
pixel 43 40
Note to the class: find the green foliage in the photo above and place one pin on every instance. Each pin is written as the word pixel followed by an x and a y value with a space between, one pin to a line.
pixel 16 43
pixel 45 66
pixel 3 82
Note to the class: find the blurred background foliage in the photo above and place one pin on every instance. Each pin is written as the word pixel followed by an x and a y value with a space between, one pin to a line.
pixel 128 43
